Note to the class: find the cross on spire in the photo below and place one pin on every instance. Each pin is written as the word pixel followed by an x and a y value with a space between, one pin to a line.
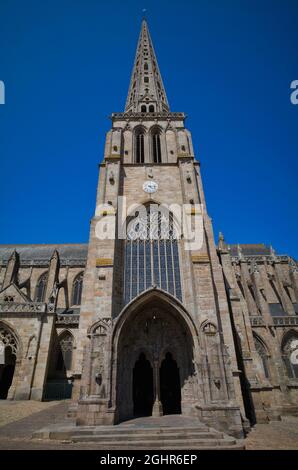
pixel 146 91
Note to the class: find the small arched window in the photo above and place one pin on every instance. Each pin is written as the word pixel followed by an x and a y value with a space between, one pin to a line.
pixel 143 108
pixel 151 108
pixel 145 66
pixel 262 353
pixel 139 145
pixel 77 289
pixel 156 148
pixel 41 287
pixel 290 355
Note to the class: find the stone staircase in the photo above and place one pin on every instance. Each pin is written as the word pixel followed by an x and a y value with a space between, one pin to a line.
pixel 145 436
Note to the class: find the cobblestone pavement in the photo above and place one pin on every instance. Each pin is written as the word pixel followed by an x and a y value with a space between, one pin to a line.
pixel 278 435
pixel 14 410
pixel 26 417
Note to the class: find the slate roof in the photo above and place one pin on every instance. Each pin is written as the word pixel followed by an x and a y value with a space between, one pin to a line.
pixel 258 249
pixel 67 251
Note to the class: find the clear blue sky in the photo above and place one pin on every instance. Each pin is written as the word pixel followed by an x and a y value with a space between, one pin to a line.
pixel 228 64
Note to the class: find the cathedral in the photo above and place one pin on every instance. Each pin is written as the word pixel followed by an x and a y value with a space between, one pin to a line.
pixel 151 317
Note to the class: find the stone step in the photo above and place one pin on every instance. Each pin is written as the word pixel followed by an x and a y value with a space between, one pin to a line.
pixel 159 444
pixel 151 437
pixel 124 438
pixel 132 432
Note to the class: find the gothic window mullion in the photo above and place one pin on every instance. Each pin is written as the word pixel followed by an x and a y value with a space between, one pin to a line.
pixel 138 267
pixel 156 266
pixel 142 148
pixel 163 280
pixel 130 279
pixel 134 268
pixel 178 287
pixel 170 267
pixel 148 264
pixel 173 269
pixel 158 148
pixel 141 266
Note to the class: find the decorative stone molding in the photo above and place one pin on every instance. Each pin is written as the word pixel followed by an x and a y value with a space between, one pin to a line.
pixel 268 258
pixel 12 307
pixel 108 211
pixel 257 321
pixel 148 116
pixel 42 263
pixel 209 328
pixel 101 327
pixel 114 156
pixel 67 319
pixel 100 262
pixel 285 321
pixel 202 258
pixel 233 294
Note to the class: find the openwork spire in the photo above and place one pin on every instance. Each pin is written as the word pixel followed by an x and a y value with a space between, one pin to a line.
pixel 146 91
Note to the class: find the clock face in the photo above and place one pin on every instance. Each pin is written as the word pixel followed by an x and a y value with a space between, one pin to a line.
pixel 150 186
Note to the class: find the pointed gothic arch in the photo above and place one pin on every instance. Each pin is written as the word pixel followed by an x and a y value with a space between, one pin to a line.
pixel 9 337
pixel 139 144
pixel 66 342
pixel 289 351
pixel 77 287
pixel 262 351
pixel 41 287
pixel 9 352
pixel 156 150
pixel 154 324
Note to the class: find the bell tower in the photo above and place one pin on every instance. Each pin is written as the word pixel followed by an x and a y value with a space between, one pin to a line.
pixel 153 300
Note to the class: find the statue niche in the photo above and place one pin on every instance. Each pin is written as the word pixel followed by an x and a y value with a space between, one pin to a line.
pixel 100 336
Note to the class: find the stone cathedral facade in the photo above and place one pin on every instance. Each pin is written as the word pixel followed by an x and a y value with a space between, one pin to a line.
pixel 141 325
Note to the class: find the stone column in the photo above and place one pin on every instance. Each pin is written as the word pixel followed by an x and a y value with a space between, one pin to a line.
pixel 157 406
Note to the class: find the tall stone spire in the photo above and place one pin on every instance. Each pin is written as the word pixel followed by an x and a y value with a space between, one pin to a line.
pixel 146 91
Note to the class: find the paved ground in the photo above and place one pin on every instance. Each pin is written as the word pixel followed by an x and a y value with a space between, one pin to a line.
pixel 14 410
pixel 24 418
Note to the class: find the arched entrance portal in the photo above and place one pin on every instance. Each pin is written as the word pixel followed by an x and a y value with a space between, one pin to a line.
pixel 6 372
pixel 8 353
pixel 170 388
pixel 155 362
pixel 142 387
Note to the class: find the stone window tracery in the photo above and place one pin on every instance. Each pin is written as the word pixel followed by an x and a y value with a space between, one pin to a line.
pixel 151 254
pixel 139 146
pixel 290 356
pixel 77 289
pixel 156 147
pixel 262 352
pixel 8 339
pixel 64 359
pixel 41 288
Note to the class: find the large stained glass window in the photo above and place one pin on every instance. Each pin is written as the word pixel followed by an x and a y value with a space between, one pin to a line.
pixel 151 254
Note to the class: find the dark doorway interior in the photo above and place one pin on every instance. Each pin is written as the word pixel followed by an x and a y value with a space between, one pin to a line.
pixel 142 387
pixel 170 391
pixel 6 372
pixel 58 386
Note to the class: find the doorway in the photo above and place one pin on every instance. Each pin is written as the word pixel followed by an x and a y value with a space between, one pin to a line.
pixel 153 329
pixel 170 390
pixel 6 372
pixel 142 387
